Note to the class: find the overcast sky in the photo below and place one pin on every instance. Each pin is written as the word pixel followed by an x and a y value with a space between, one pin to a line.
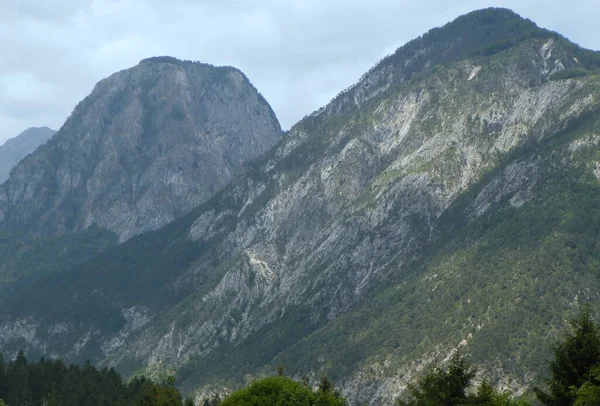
pixel 298 53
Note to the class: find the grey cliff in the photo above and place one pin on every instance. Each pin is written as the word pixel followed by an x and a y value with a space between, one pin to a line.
pixel 15 149
pixel 145 147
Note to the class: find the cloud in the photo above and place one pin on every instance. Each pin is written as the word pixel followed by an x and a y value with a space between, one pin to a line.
pixel 298 53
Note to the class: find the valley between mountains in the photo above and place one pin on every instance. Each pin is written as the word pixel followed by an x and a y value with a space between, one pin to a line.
pixel 447 199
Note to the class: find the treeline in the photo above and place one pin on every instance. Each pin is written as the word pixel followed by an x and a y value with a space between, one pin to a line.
pixel 574 381
pixel 52 383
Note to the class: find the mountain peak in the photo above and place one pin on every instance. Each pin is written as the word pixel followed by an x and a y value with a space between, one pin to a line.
pixel 165 59
pixel 490 16
pixel 14 149
pixel 481 32
pixel 162 59
pixel 146 146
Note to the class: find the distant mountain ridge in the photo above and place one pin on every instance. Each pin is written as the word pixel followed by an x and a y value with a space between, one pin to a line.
pixel 146 146
pixel 15 149
pixel 448 199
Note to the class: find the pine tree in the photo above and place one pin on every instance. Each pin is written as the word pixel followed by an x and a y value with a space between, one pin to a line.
pixel 2 378
pixel 18 392
pixel 574 360
pixel 442 387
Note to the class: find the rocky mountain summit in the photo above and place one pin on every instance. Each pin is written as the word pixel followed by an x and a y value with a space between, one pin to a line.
pixel 145 147
pixel 448 199
pixel 15 149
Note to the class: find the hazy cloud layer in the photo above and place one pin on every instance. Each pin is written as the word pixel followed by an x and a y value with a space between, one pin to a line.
pixel 298 53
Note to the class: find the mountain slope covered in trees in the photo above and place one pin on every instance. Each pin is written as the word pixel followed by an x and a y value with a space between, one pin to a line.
pixel 447 199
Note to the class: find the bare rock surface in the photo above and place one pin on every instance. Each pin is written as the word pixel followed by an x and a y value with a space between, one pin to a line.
pixel 146 146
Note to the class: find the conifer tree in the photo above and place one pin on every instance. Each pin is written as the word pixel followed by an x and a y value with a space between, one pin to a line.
pixel 18 381
pixel 573 368
pixel 2 378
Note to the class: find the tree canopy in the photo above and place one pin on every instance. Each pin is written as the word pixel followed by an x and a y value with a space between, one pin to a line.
pixel 52 383
pixel 283 391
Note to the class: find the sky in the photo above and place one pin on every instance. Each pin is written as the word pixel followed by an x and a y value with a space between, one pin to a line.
pixel 298 53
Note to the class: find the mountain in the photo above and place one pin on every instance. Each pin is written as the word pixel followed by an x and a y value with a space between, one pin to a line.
pixel 13 150
pixel 448 199
pixel 149 144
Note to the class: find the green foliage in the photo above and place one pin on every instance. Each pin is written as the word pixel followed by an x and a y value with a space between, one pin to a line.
pixel 487 395
pixel 160 395
pixel 132 273
pixel 442 387
pixel 589 393
pixel 52 383
pixel 452 386
pixel 480 33
pixel 576 366
pixel 25 257
pixel 3 388
pixel 282 391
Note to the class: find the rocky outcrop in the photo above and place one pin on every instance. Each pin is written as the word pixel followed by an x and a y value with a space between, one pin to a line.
pixel 145 147
pixel 15 149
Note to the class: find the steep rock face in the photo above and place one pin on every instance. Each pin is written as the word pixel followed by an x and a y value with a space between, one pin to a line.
pixel 355 195
pixel 146 146
pixel 15 149
pixel 357 245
